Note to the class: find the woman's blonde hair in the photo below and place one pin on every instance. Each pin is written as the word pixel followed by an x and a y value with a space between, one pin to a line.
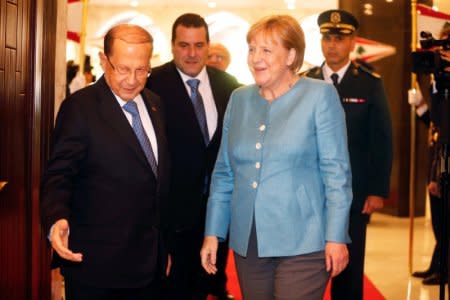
pixel 287 29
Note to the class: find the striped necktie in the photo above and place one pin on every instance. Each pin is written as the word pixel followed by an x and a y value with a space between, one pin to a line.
pixel 146 146
pixel 199 108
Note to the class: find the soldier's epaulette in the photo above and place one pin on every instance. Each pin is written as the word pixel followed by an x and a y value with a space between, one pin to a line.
pixel 366 70
pixel 315 71
pixel 304 73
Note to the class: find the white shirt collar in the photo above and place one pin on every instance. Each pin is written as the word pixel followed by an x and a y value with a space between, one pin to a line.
pixel 122 102
pixel 202 76
pixel 327 71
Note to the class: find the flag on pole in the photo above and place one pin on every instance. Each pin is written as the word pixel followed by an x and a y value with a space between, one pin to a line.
pixel 74 20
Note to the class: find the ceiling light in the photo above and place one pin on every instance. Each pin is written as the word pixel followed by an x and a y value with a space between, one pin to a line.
pixel 290 4
pixel 134 3
pixel 212 4
pixel 368 9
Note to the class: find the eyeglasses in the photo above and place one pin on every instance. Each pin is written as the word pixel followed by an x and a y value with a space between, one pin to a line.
pixel 125 71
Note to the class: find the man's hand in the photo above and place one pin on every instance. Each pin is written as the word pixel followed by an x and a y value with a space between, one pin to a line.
pixel 372 204
pixel 415 97
pixel 60 241
pixel 336 257
pixel 433 188
pixel 169 264
pixel 208 254
pixel 445 55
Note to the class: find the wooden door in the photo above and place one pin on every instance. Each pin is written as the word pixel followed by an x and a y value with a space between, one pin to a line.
pixel 26 108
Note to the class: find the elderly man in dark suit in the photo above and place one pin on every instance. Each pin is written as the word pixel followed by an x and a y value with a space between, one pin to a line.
pixel 369 137
pixel 195 99
pixel 107 178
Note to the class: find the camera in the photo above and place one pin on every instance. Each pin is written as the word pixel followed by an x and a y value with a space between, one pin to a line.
pixel 429 61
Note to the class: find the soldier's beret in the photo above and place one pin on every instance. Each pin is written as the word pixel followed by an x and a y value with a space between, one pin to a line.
pixel 337 21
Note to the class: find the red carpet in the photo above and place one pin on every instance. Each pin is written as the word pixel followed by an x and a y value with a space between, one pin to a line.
pixel 370 291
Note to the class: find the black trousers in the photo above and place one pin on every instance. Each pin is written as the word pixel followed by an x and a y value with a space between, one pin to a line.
pixel 187 279
pixel 348 285
pixel 436 207
pixel 79 291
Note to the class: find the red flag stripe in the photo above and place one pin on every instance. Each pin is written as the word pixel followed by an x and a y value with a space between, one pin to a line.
pixel 74 36
pixel 428 11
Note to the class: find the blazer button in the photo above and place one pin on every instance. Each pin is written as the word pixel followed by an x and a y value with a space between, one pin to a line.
pixel 254 184
pixel 262 127
pixel 258 165
pixel 258 146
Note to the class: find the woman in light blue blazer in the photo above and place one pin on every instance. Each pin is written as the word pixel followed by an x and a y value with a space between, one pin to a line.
pixel 281 185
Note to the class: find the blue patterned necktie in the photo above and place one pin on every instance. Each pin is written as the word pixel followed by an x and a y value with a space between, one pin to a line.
pixel 199 108
pixel 146 146
pixel 335 78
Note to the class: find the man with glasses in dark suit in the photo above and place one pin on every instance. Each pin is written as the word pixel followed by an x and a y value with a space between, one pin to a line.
pixel 107 178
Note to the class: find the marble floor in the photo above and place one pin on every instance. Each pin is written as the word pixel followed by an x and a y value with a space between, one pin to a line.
pixel 387 257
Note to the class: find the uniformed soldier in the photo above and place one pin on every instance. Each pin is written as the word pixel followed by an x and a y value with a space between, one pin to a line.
pixel 369 137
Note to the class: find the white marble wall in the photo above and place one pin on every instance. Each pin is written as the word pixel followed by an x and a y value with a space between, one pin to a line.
pixel 163 18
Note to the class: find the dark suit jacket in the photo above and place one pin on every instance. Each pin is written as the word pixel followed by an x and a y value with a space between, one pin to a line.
pixel 369 132
pixel 191 160
pixel 98 178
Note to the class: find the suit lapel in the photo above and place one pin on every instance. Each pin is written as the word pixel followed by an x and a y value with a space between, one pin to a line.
pixel 112 114
pixel 347 80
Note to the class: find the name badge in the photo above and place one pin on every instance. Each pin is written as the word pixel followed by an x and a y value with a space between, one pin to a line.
pixel 354 100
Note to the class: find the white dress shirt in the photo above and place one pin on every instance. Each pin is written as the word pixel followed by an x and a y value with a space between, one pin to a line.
pixel 208 99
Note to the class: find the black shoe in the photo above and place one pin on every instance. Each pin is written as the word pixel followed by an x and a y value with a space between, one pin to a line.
pixel 423 274
pixel 433 279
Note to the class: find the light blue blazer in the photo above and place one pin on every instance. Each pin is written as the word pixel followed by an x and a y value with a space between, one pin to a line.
pixel 285 166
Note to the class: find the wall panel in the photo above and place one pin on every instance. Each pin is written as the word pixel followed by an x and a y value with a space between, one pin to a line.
pixel 24 257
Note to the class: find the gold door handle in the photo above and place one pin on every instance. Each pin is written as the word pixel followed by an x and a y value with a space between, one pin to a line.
pixel 3 184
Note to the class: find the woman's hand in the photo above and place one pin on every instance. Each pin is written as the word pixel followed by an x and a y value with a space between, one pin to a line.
pixel 208 254
pixel 336 257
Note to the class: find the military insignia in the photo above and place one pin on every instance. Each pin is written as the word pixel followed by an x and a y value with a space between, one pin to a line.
pixel 318 71
pixel 375 74
pixel 154 108
pixel 354 100
pixel 335 17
